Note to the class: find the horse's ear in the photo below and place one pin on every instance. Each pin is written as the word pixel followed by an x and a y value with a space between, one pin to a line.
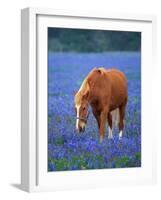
pixel 101 70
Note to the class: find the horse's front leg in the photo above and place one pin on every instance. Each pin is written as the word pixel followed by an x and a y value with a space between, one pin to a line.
pixel 103 120
pixel 109 118
pixel 97 116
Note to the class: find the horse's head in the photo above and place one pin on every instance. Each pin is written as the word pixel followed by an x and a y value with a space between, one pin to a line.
pixel 81 110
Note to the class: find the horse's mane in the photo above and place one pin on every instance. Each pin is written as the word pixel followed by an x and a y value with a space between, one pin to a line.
pixel 82 91
pixel 85 84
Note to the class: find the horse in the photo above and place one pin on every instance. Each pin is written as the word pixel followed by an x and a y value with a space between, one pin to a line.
pixel 105 90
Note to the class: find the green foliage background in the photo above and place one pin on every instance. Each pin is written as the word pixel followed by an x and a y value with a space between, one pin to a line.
pixel 82 40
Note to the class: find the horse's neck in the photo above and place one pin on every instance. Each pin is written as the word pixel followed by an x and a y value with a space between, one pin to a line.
pixel 84 87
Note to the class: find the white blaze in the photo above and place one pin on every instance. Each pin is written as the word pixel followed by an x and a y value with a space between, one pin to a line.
pixel 77 120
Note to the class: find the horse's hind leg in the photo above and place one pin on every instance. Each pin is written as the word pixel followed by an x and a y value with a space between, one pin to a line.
pixel 121 120
pixel 109 118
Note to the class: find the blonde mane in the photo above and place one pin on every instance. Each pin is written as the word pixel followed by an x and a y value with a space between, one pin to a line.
pixel 85 85
pixel 82 90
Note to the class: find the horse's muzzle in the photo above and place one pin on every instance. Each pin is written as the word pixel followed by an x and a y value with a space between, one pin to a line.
pixel 80 129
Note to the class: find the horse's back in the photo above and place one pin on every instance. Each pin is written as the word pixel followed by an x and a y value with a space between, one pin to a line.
pixel 109 85
pixel 116 74
pixel 108 77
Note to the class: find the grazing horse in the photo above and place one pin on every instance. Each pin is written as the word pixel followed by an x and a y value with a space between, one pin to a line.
pixel 106 92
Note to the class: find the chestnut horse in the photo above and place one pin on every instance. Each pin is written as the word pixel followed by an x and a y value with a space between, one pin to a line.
pixel 106 92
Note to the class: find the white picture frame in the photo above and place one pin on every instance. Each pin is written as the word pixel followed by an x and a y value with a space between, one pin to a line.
pixel 34 176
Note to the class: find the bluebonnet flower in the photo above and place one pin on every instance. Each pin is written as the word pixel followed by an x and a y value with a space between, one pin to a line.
pixel 68 150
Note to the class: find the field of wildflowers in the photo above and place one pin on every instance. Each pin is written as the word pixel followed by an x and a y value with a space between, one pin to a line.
pixel 68 150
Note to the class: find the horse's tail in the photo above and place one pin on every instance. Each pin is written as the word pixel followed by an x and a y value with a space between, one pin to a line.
pixel 115 117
